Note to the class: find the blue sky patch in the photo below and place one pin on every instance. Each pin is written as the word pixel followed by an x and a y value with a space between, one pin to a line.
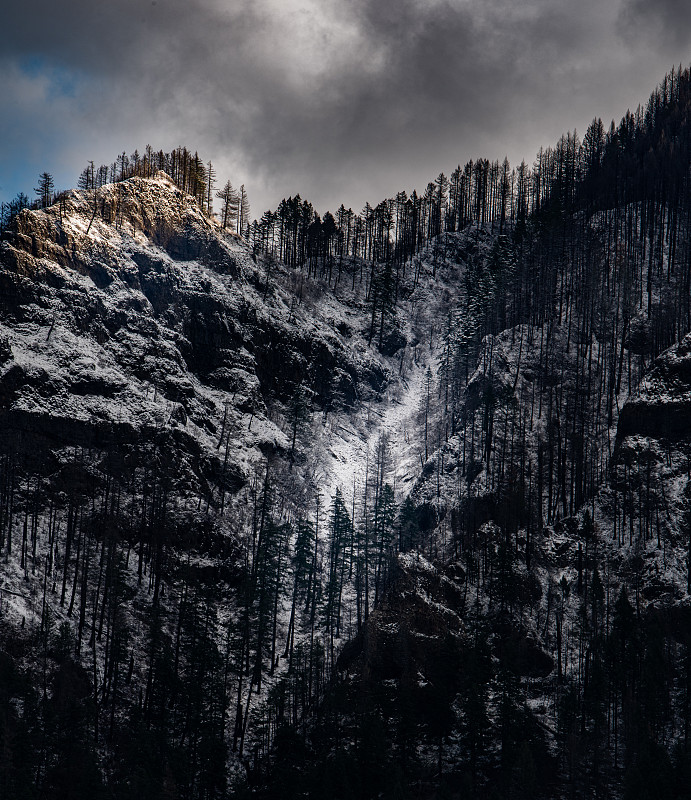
pixel 61 82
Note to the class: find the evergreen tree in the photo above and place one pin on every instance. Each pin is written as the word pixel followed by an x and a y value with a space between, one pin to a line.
pixel 44 190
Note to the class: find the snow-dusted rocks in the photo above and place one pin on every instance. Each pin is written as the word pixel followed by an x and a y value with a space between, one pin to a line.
pixel 662 405
pixel 127 310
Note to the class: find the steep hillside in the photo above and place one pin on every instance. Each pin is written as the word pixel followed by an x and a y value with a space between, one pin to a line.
pixel 166 398
pixel 392 504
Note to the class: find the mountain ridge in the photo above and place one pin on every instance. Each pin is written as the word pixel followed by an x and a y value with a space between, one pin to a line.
pixel 404 516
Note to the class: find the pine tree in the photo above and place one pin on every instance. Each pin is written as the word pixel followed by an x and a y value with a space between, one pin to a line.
pixel 229 210
pixel 44 190
pixel 243 215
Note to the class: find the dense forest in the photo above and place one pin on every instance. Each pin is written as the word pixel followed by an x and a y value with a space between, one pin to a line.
pixel 493 630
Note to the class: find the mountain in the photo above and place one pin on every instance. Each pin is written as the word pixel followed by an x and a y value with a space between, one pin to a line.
pixel 391 504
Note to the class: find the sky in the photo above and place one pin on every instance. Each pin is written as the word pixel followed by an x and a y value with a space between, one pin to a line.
pixel 342 101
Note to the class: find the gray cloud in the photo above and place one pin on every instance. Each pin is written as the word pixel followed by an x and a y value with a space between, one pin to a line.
pixel 666 22
pixel 338 101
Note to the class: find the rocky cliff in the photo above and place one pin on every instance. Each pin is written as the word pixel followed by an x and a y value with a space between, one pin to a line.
pixel 128 317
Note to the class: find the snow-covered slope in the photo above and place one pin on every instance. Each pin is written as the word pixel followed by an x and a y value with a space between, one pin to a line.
pixel 156 321
pixel 161 385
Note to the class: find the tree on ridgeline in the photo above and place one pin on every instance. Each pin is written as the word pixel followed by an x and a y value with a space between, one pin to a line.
pixel 44 190
pixel 229 209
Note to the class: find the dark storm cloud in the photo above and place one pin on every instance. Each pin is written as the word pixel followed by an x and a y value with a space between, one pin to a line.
pixel 667 21
pixel 335 100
